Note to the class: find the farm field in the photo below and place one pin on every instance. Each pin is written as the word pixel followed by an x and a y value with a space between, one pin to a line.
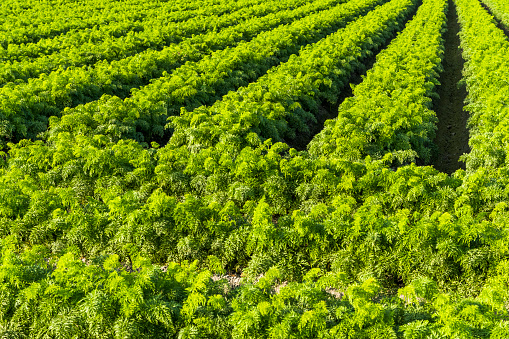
pixel 254 169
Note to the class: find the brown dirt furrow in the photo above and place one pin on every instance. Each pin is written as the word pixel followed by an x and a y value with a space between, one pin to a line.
pixel 452 134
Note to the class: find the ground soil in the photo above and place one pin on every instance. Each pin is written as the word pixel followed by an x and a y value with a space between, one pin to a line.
pixel 452 134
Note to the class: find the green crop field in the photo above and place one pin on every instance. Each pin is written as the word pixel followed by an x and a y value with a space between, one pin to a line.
pixel 254 169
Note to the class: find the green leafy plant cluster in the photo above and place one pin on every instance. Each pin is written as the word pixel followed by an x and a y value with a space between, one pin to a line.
pixel 27 22
pixel 390 111
pixel 101 299
pixel 500 9
pixel 24 108
pixel 155 32
pixel 99 229
pixel 105 27
pixel 487 69
pixel 281 104
pixel 144 113
pixel 70 298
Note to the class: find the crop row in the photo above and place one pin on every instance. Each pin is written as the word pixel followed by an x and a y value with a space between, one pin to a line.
pixel 153 33
pixel 333 224
pixel 104 27
pixel 102 300
pixel 30 23
pixel 281 104
pixel 485 49
pixel 390 111
pixel 143 115
pixel 500 9
pixel 24 108
pixel 325 239
pixel 62 174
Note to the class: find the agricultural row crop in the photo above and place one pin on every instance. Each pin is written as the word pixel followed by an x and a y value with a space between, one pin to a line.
pixel 25 107
pixel 154 33
pixel 131 190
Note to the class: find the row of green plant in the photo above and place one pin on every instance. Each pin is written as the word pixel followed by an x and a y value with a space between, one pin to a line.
pixel 62 146
pixel 154 32
pixel 112 22
pixel 25 22
pixel 143 115
pixel 66 297
pixel 92 161
pixel 391 111
pixel 25 108
pixel 328 246
pixel 70 168
pixel 485 48
pixel 282 104
pixel 500 9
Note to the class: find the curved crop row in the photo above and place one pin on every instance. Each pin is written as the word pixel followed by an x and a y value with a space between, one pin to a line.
pixel 390 111
pixel 152 33
pixel 485 49
pixel 24 108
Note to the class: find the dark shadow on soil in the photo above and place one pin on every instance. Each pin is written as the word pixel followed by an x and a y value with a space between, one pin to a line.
pixel 497 21
pixel 452 134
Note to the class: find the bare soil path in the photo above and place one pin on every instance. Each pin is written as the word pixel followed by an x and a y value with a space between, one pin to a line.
pixel 452 134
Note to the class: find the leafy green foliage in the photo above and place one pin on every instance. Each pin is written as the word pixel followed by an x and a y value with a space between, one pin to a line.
pixel 25 107
pixel 49 20
pixel 282 103
pixel 225 231
pixel 484 49
pixel 391 109
pixel 500 9
pixel 161 27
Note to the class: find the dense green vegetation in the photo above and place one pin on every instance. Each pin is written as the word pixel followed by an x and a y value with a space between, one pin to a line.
pixel 26 106
pixel 83 48
pixel 500 9
pixel 136 181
